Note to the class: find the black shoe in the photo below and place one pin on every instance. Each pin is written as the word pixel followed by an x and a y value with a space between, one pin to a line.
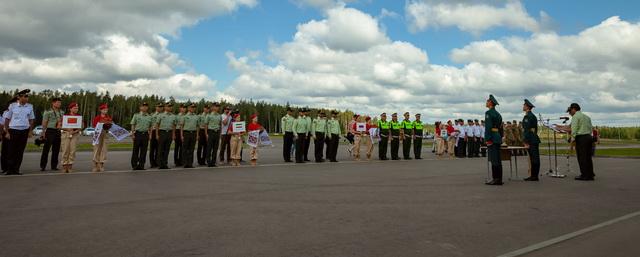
pixel 418 158
pixel 212 165
pixel 188 167
pixel 307 160
pixel 164 168
pixel 319 161
pixel 42 169
pixel 531 179
pixel 13 174
pixel 494 182
pixel 288 161
pixel 408 158
pixel 584 178
pixel 333 161
pixel 55 169
pixel 299 162
pixel 395 159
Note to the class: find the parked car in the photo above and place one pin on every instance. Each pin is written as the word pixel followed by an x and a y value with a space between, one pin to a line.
pixel 37 130
pixel 88 131
pixel 428 136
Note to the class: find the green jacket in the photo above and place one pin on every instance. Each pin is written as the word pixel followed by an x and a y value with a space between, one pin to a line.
pixel 493 126
pixel 530 126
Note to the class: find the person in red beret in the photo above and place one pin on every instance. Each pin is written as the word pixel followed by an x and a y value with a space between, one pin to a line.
pixel 70 140
pixel 367 137
pixel 236 141
pixel 100 149
pixel 254 126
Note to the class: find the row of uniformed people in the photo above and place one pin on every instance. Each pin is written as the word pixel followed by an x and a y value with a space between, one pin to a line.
pixel 299 131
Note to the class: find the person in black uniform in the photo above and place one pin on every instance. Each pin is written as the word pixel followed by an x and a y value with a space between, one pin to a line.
pixel 493 136
pixel 531 139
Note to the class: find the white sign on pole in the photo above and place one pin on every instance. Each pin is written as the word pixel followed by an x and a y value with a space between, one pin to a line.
pixel 71 122
pixel 238 126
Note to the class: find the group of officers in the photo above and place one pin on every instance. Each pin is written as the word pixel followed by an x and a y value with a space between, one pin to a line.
pixel 210 131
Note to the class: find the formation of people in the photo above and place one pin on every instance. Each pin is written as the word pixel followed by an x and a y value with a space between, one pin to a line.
pixel 214 137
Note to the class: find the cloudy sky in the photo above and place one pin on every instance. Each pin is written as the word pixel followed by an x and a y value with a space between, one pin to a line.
pixel 440 58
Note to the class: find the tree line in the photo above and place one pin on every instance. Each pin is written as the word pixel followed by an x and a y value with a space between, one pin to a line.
pixel 122 107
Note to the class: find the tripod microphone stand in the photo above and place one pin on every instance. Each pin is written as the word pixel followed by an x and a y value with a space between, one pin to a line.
pixel 552 172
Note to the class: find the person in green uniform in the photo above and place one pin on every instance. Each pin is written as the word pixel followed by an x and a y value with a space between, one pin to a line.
pixel 301 128
pixel 51 124
pixel 213 123
pixel 165 132
pixel 395 136
pixel 406 134
pixel 202 137
pixel 493 136
pixel 189 134
pixel 307 143
pixel 318 132
pixel 178 159
pixel 141 127
pixel 418 129
pixel 531 139
pixel 154 142
pixel 286 124
pixel 384 130
pixel 333 137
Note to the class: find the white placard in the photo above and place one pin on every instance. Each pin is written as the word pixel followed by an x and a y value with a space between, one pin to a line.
pixel 95 140
pixel 373 133
pixel 237 127
pixel 71 122
pixel 264 138
pixel 253 138
pixel 119 133
pixel 361 127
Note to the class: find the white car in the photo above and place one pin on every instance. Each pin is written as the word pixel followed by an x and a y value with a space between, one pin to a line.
pixel 37 131
pixel 88 131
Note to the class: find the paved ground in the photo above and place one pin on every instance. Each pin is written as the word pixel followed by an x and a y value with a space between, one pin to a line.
pixel 394 208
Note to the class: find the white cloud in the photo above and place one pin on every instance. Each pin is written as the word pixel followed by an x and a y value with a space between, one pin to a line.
pixel 102 45
pixel 470 16
pixel 322 4
pixel 597 68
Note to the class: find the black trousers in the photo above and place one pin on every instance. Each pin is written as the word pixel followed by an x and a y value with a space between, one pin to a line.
pixel 307 143
pixel 211 152
pixel 153 151
pixel 395 147
pixel 496 163
pixel 178 159
pixel 476 149
pixel 188 146
pixel 483 151
pixel 534 158
pixel 139 154
pixel 225 146
pixel 583 151
pixel 406 147
pixel 471 146
pixel 333 142
pixel 462 148
pixel 4 153
pixel 16 149
pixel 382 147
pixel 52 140
pixel 300 145
pixel 417 147
pixel 164 146
pixel 286 147
pixel 318 145
pixel 202 148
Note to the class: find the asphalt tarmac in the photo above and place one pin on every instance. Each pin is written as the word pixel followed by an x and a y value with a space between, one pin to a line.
pixel 423 207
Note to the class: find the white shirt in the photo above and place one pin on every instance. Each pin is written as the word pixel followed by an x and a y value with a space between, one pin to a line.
pixel 476 130
pixel 225 128
pixel 20 115
pixel 469 130
pixel 481 131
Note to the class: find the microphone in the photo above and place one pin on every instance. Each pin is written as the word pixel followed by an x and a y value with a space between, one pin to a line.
pixel 565 119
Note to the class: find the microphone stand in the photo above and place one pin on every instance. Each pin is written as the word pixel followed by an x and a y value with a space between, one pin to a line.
pixel 553 172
